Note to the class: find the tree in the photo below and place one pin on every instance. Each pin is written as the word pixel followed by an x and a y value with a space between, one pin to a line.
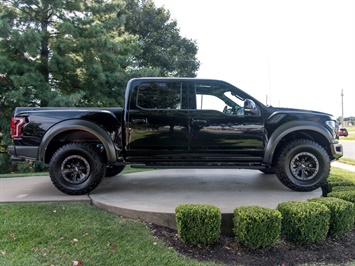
pixel 65 50
pixel 64 53
pixel 82 53
pixel 160 40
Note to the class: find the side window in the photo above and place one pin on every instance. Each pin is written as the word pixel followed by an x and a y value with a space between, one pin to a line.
pixel 223 99
pixel 209 102
pixel 159 96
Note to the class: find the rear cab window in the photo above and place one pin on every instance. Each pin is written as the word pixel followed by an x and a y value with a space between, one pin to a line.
pixel 163 95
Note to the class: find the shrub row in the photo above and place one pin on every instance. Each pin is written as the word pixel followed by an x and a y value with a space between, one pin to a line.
pixel 7 167
pixel 342 188
pixel 338 183
pixel 258 227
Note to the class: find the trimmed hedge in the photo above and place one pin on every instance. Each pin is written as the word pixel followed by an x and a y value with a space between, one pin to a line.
pixel 198 223
pixel 344 195
pixel 341 182
pixel 336 183
pixel 343 188
pixel 342 214
pixel 304 221
pixel 256 226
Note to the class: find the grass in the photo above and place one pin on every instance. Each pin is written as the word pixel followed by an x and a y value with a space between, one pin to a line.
pixel 347 161
pixel 60 233
pixel 341 173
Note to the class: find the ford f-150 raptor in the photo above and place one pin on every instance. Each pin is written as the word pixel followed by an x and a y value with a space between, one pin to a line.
pixel 177 123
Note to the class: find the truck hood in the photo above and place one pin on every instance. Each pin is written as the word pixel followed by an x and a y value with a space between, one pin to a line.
pixel 273 110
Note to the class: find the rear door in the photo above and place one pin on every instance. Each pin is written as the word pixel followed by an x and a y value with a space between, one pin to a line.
pixel 157 122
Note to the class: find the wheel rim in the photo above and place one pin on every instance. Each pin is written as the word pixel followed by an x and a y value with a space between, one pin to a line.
pixel 75 169
pixel 304 166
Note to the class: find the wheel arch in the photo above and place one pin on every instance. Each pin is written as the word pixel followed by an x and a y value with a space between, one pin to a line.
pixel 87 131
pixel 296 130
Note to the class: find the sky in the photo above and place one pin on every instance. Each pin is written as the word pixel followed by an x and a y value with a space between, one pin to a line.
pixel 288 53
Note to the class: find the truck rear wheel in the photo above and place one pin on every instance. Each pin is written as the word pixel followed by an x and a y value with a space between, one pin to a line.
pixel 303 165
pixel 76 169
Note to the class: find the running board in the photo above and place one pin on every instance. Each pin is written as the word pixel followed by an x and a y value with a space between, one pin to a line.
pixel 201 166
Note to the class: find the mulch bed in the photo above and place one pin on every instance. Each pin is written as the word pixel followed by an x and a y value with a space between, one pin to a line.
pixel 229 251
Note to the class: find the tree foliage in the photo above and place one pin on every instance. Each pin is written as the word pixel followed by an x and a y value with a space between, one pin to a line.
pixel 161 43
pixel 82 53
pixel 348 120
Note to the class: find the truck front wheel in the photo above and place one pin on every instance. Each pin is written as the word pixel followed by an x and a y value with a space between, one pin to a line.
pixel 303 165
pixel 76 169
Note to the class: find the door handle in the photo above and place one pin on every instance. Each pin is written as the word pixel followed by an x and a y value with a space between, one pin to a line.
pixel 139 120
pixel 199 121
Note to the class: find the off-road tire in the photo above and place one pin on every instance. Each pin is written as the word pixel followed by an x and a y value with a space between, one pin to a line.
pixel 303 165
pixel 114 170
pixel 76 169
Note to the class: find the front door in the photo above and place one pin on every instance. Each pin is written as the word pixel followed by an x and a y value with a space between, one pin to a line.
pixel 225 125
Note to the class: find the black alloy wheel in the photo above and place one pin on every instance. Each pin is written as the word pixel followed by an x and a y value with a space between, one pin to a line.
pixel 76 169
pixel 303 165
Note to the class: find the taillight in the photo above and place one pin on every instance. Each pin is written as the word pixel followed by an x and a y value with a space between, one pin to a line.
pixel 15 126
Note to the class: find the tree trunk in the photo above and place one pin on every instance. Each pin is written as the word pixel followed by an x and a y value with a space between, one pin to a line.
pixel 44 68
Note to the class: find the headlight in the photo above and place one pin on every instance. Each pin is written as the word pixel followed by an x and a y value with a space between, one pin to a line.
pixel 333 128
pixel 331 124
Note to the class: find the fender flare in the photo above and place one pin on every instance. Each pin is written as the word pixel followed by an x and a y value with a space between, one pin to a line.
pixel 288 128
pixel 82 125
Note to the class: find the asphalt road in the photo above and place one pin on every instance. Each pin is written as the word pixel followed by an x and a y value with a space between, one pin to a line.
pixel 349 149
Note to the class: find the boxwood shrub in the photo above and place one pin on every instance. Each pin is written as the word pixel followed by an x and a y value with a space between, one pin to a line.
pixel 256 226
pixel 342 214
pixel 344 195
pixel 334 182
pixel 198 223
pixel 305 222
pixel 343 188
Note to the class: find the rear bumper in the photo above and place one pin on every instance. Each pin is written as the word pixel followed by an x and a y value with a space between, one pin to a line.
pixel 22 153
pixel 337 150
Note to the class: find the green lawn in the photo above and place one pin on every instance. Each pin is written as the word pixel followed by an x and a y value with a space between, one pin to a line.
pixel 347 161
pixel 60 233
pixel 337 172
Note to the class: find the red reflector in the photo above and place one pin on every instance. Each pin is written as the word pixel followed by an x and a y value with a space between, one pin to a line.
pixel 15 126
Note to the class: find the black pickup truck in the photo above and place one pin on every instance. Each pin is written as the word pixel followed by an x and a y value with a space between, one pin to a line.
pixel 177 123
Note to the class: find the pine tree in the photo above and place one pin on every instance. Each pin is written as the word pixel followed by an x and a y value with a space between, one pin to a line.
pixel 82 53
pixel 65 52
pixel 160 39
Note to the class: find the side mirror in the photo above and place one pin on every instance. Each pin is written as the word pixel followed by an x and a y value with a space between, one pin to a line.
pixel 250 107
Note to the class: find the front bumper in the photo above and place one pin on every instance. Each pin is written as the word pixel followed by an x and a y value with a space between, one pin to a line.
pixel 337 150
